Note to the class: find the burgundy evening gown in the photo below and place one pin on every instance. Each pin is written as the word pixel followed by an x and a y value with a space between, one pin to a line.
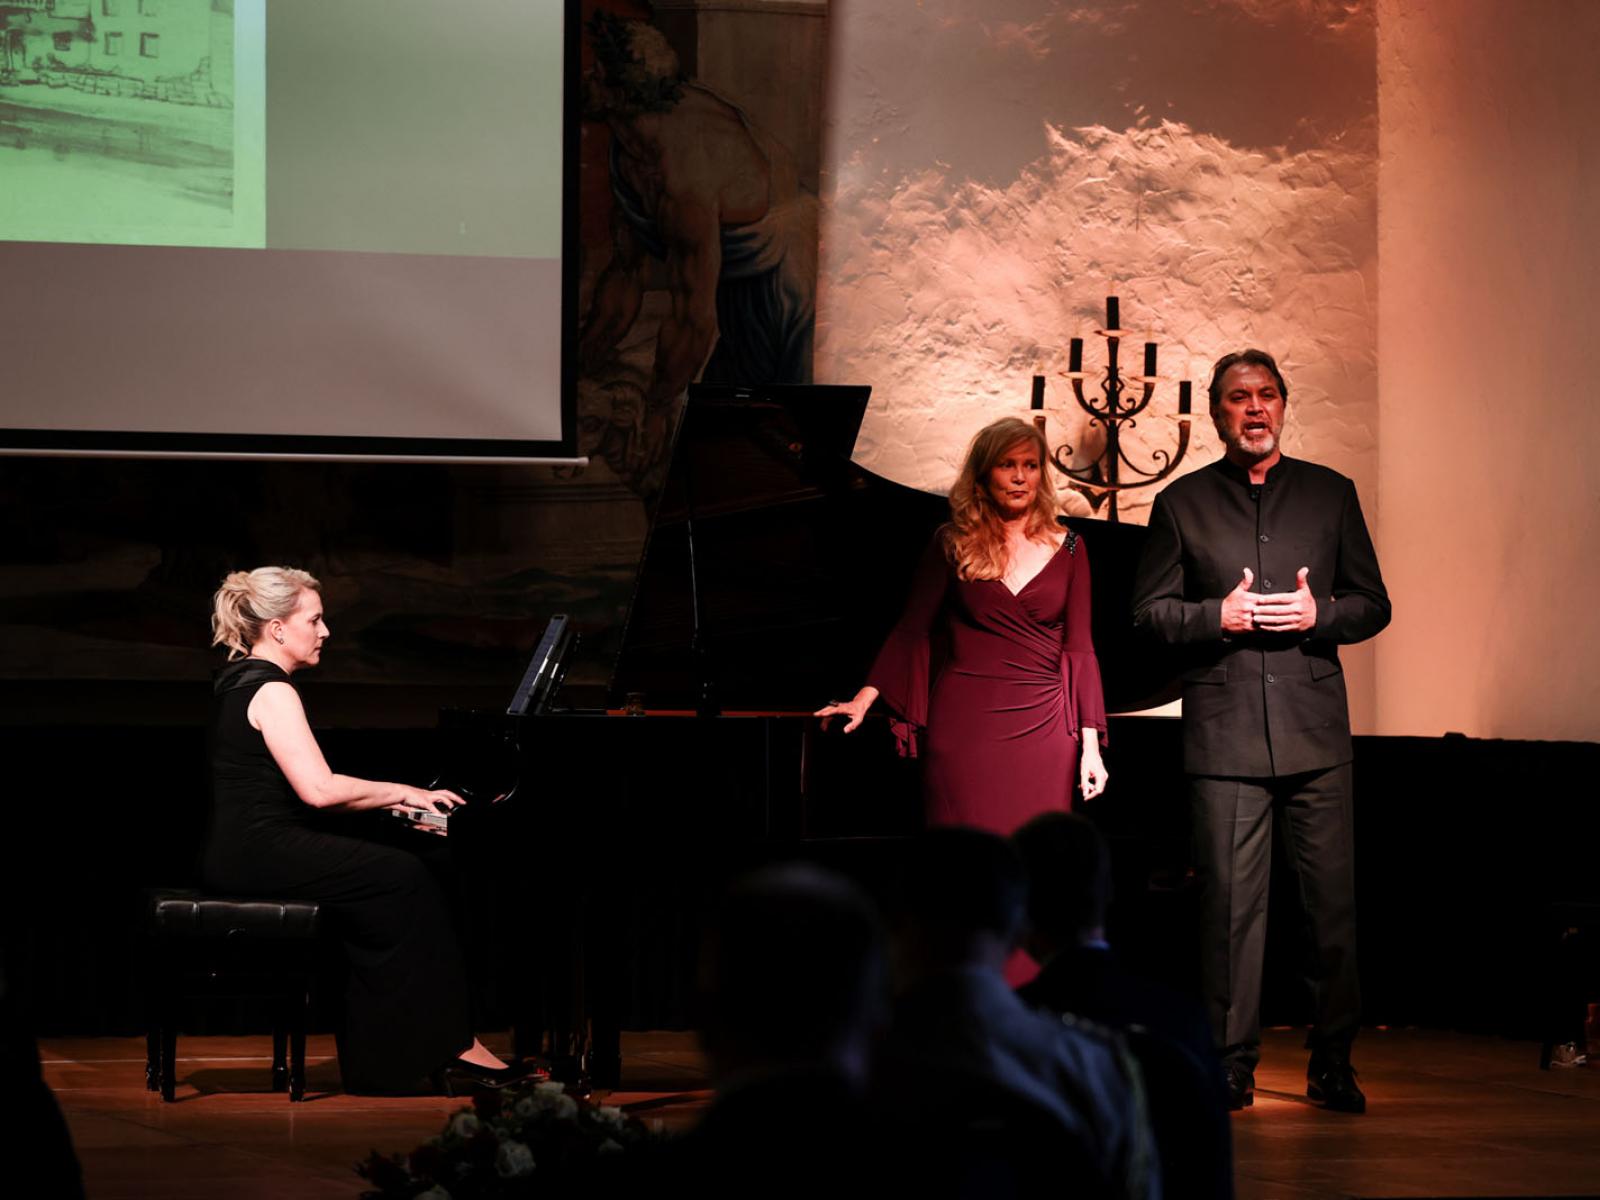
pixel 991 689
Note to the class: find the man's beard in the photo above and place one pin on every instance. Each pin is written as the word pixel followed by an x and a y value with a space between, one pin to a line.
pixel 1260 444
pixel 1257 445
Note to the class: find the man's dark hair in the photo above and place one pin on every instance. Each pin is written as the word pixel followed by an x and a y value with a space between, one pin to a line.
pixel 1069 874
pixel 964 881
pixel 793 964
pixel 1254 358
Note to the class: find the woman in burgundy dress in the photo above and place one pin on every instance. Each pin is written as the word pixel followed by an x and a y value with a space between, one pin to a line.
pixel 990 673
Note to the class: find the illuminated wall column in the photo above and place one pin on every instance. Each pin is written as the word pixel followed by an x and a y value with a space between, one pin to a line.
pixel 1489 290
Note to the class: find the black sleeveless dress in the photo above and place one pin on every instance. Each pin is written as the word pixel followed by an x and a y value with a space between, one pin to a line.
pixel 407 1007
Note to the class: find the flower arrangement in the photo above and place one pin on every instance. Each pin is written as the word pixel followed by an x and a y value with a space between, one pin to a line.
pixel 503 1145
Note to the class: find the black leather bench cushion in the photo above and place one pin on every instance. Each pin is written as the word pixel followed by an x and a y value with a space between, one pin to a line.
pixel 191 915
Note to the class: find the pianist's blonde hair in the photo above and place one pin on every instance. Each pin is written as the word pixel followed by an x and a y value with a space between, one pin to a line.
pixel 247 600
pixel 975 539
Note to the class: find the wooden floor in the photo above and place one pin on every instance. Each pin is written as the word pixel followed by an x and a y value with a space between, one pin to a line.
pixel 1450 1116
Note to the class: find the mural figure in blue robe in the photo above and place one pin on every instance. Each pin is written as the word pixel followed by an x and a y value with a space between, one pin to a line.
pixel 708 208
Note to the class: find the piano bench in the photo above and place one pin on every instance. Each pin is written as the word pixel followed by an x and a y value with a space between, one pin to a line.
pixel 207 946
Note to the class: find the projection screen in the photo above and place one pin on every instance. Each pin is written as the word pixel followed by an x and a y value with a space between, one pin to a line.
pixel 288 227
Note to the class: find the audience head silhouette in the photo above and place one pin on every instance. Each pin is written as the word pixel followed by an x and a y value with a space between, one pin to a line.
pixel 793 975
pixel 1069 881
pixel 962 899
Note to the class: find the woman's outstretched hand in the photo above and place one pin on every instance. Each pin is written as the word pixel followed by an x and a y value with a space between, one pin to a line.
pixel 855 709
pixel 1092 773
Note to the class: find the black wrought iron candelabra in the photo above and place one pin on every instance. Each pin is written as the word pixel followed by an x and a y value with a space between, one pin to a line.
pixel 1102 480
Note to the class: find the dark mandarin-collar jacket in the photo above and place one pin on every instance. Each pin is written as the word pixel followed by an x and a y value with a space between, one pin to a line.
pixel 1260 704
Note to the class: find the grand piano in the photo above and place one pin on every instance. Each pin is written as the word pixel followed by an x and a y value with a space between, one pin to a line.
pixel 773 568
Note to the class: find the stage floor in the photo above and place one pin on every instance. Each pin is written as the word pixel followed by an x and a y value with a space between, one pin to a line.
pixel 1450 1115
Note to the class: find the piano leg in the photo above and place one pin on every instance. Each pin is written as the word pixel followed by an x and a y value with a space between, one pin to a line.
pixel 280 1042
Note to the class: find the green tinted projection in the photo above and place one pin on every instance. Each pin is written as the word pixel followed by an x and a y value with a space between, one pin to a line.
pixel 399 126
pixel 132 121
pixel 415 126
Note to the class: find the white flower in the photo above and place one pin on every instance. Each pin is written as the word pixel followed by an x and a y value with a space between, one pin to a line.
pixel 434 1193
pixel 513 1159
pixel 610 1114
pixel 465 1124
pixel 548 1097
pixel 609 1146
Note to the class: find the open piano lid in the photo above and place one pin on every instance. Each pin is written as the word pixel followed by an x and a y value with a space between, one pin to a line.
pixel 803 559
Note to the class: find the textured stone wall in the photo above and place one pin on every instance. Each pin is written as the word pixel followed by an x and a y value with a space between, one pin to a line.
pixel 993 169
pixel 1489 287
pixel 996 169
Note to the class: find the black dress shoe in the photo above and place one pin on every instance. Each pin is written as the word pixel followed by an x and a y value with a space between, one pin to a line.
pixel 1241 1088
pixel 1333 1085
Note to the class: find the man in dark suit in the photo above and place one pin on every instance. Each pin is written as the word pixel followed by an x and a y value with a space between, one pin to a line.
pixel 1255 570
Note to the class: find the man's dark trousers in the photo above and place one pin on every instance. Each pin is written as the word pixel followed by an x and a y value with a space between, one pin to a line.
pixel 1233 827
pixel 1266 727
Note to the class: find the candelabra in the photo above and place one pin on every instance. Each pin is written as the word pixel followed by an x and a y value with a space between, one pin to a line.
pixel 1101 481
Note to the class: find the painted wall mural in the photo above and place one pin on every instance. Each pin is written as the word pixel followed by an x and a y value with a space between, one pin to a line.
pixel 710 267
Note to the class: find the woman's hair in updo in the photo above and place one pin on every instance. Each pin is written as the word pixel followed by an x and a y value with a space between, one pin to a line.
pixel 247 600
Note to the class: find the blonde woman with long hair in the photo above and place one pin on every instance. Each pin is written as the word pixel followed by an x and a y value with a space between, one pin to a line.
pixel 990 674
pixel 407 1021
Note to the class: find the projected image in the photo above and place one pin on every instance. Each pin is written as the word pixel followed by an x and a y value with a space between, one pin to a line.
pixel 368 197
pixel 118 123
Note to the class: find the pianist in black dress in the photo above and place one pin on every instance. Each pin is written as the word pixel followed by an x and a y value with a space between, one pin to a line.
pixel 407 1008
